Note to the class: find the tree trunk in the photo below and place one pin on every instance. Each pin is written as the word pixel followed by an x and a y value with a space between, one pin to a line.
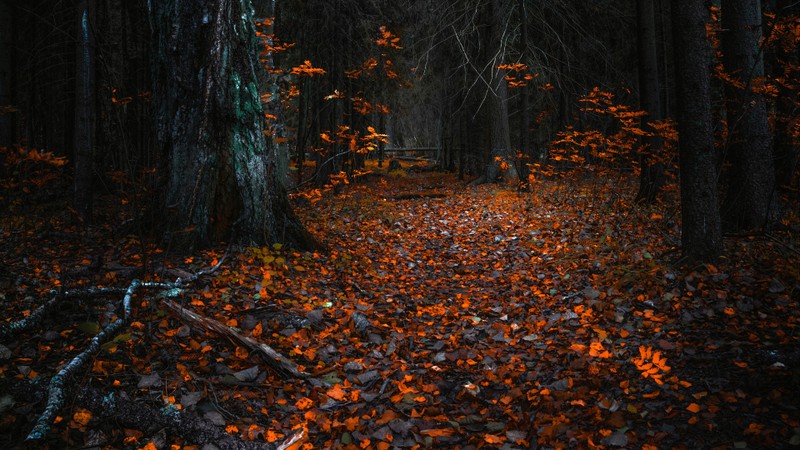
pixel 222 181
pixel 6 74
pixel 502 155
pixel 84 114
pixel 751 200
pixel 701 234
pixel 652 173
pixel 785 60
pixel 524 116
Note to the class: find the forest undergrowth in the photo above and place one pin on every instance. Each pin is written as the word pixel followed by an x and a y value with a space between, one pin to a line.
pixel 439 315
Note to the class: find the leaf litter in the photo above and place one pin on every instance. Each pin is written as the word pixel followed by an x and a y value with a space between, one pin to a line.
pixel 468 317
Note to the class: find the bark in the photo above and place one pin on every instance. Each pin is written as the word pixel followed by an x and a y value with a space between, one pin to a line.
pixel 652 173
pixel 84 114
pixel 222 182
pixel 701 233
pixel 751 200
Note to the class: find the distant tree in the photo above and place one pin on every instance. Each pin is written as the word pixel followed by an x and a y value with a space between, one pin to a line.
pixel 6 73
pixel 84 113
pixel 701 232
pixel 502 157
pixel 751 200
pixel 784 58
pixel 222 181
pixel 652 174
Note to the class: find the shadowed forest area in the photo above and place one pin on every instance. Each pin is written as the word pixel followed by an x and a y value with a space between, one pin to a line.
pixel 356 224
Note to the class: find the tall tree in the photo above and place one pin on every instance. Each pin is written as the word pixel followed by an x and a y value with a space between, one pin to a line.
pixel 785 65
pixel 502 156
pixel 6 72
pixel 751 200
pixel 524 114
pixel 84 113
pixel 701 231
pixel 222 181
pixel 651 178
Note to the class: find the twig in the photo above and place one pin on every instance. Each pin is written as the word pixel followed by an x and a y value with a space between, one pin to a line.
pixel 38 314
pixel 56 394
pixel 132 414
pixel 56 391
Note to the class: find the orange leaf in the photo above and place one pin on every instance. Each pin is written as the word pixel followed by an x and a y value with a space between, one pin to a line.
pixel 694 407
pixel 336 392
pixel 438 432
pixel 304 403
pixel 493 439
pixel 82 416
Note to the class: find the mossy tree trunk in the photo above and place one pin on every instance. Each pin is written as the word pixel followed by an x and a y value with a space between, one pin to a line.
pixel 222 182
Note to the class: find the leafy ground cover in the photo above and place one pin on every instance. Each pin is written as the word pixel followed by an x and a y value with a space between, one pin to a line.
pixel 440 315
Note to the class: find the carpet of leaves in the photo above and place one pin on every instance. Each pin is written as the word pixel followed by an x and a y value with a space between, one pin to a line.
pixel 439 315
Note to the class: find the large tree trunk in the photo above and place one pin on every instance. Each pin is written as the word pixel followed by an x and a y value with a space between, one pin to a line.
pixel 84 114
pixel 222 181
pixel 701 234
pixel 652 173
pixel 751 200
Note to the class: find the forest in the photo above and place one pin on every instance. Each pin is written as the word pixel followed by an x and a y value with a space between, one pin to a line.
pixel 368 224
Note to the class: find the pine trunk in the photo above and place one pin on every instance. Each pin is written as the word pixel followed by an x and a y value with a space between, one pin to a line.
pixel 84 114
pixel 652 173
pixel 701 234
pixel 222 181
pixel 502 157
pixel 6 74
pixel 751 201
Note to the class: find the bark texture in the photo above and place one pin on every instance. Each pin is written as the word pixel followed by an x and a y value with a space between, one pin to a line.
pixel 701 233
pixel 222 181
pixel 751 200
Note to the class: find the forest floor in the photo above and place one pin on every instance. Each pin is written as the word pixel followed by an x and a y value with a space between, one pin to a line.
pixel 439 315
